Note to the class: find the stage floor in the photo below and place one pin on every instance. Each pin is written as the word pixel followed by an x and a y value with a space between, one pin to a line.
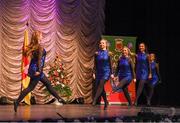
pixel 76 112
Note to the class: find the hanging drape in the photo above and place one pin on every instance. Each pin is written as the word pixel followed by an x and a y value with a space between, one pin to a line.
pixel 71 29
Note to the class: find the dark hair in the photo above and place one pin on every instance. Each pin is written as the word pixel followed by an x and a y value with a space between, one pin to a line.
pixel 146 48
pixel 155 57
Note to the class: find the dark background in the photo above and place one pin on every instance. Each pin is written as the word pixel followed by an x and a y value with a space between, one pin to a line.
pixel 156 23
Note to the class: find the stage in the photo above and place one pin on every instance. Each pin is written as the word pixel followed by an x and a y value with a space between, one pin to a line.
pixel 87 112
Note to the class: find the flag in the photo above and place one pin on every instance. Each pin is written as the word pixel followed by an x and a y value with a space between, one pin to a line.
pixel 24 69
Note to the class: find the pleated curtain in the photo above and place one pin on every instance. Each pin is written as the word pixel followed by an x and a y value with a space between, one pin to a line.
pixel 71 29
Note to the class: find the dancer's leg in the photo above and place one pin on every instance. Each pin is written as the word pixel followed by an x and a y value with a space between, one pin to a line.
pixel 23 93
pixel 126 93
pixel 139 90
pixel 99 91
pixel 105 99
pixel 49 87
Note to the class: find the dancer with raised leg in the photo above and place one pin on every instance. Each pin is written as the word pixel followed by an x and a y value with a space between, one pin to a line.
pixel 38 54
pixel 125 72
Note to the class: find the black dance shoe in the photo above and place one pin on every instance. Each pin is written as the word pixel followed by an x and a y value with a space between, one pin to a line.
pixel 61 101
pixel 15 106
pixel 130 104
pixel 106 105
pixel 135 103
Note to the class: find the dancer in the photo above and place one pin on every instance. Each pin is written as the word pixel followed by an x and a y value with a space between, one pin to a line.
pixel 155 77
pixel 125 72
pixel 103 71
pixel 143 70
pixel 35 71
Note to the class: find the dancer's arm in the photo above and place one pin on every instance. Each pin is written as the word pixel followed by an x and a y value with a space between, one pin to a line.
pixel 40 54
pixel 95 64
pixel 149 67
pixel 132 69
pixel 110 62
pixel 158 73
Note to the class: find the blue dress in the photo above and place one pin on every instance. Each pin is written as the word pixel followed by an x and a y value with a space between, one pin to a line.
pixel 155 77
pixel 142 67
pixel 124 69
pixel 35 67
pixel 103 65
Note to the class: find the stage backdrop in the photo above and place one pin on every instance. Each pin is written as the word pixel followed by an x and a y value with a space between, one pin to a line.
pixel 71 29
pixel 116 44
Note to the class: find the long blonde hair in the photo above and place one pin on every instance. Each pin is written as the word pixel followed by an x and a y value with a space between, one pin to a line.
pixel 34 44
pixel 130 54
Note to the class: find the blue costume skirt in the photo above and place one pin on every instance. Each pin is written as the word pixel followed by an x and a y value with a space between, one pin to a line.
pixel 153 81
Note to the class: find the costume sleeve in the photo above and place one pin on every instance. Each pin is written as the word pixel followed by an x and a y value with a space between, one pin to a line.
pixel 135 64
pixel 95 62
pixel 117 69
pixel 132 68
pixel 158 73
pixel 110 62
pixel 40 55
pixel 149 66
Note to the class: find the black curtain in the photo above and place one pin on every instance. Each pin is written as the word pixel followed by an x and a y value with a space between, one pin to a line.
pixel 156 23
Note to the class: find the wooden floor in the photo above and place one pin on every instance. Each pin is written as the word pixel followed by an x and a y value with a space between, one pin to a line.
pixel 75 111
